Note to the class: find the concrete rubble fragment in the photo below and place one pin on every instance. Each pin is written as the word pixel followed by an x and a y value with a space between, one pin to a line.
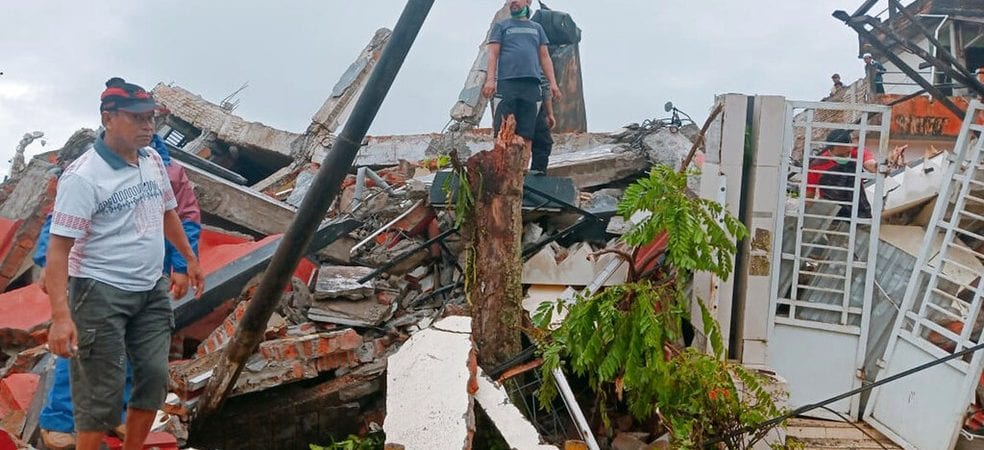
pixel 343 282
pixel 428 403
pixel 514 427
pixel 575 266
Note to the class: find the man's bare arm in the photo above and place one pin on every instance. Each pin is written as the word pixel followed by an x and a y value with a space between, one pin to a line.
pixel 62 336
pixel 174 233
pixel 548 104
pixel 490 75
pixel 548 69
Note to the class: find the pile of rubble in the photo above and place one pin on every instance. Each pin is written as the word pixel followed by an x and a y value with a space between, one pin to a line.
pixel 387 270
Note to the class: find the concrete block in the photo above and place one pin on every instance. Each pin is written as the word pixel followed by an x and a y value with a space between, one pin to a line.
pixel 342 282
pixel 428 406
pixel 512 424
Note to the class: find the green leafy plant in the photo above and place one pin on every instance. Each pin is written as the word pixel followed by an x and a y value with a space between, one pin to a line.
pixel 626 340
pixel 373 441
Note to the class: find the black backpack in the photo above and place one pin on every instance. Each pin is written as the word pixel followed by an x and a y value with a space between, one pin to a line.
pixel 559 26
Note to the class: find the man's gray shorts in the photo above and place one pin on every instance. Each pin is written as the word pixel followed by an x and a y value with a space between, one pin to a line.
pixel 114 325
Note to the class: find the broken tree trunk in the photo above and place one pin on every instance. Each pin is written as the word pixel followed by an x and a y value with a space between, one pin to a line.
pixel 495 230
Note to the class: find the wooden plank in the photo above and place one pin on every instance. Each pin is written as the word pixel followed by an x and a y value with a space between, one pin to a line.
pixel 237 204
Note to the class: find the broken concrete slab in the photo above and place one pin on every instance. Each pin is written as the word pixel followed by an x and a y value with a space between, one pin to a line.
pixel 669 147
pixel 390 150
pixel 428 406
pixel 514 427
pixel 238 204
pixel 598 166
pixel 577 268
pixel 334 112
pixel 341 282
pixel 471 104
pixel 228 127
pixel 369 312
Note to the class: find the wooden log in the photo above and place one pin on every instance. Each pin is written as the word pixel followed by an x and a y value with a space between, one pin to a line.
pixel 494 229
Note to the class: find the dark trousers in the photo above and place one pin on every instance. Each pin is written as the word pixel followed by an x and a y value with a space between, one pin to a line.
pixel 542 142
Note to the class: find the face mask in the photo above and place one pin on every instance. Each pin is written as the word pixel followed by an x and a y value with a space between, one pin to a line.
pixel 521 13
pixel 842 160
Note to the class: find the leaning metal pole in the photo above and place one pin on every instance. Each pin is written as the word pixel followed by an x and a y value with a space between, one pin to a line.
pixel 324 189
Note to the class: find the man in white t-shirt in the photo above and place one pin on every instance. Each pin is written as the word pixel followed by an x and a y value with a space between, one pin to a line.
pixel 109 300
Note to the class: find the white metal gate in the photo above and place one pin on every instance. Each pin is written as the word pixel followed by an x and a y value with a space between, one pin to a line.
pixel 820 299
pixel 926 410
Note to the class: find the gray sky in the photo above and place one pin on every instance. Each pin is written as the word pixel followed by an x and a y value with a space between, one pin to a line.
pixel 636 55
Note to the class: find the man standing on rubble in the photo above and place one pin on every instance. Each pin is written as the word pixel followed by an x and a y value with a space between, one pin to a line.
pixel 878 69
pixel 57 419
pixel 518 57
pixel 109 301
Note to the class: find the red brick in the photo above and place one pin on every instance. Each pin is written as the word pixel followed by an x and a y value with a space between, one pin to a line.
pixel 24 316
pixel 311 346
pixel 346 339
pixel 387 297
pixel 224 332
pixel 336 360
pixel 17 390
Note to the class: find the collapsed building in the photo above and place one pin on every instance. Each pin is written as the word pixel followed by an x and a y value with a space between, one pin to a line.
pixel 371 331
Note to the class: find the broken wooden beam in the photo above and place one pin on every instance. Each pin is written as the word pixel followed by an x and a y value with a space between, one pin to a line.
pixel 238 204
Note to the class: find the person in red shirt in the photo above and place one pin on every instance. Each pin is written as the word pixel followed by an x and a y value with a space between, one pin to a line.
pixel 835 167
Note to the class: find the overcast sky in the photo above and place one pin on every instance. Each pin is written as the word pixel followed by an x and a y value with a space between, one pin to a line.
pixel 55 56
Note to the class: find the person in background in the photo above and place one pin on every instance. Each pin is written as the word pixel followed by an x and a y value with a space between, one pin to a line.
pixel 878 71
pixel 838 85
